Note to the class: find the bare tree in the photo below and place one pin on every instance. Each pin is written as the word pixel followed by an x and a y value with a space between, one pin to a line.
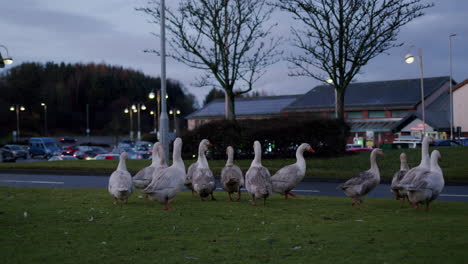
pixel 338 37
pixel 228 39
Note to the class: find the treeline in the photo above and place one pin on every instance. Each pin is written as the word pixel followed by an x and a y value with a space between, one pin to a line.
pixel 66 89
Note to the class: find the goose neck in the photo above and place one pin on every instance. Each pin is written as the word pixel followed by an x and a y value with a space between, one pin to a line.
pixel 373 161
pixel 122 165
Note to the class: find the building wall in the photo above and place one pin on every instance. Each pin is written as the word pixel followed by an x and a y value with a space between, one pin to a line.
pixel 460 108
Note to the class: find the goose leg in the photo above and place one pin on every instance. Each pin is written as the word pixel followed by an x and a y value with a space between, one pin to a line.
pixel 238 194
pixel 293 195
pixel 212 197
pixel 116 201
pixel 166 206
pixel 264 201
pixel 427 207
pixel 254 203
pixel 126 201
pixel 230 198
pixel 286 195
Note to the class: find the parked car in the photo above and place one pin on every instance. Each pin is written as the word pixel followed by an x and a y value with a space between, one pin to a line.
pixel 69 150
pixel 356 147
pixel 62 157
pixel 6 155
pixel 17 150
pixel 108 156
pixel 43 146
pixel 463 141
pixel 68 140
pixel 445 143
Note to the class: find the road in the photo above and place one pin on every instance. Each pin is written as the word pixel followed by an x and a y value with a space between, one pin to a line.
pixel 450 193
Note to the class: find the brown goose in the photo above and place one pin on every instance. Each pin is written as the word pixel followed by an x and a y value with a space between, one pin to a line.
pixel 231 176
pixel 257 178
pixel 203 181
pixel 398 176
pixel 361 184
pixel 286 178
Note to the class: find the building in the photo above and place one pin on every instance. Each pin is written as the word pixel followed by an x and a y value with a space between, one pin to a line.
pixel 377 111
pixel 246 108
pixel 460 108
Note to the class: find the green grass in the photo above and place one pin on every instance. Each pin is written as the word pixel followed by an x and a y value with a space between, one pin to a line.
pixel 83 226
pixel 454 164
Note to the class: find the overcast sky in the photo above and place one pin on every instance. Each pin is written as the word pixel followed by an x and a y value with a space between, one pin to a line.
pixel 112 32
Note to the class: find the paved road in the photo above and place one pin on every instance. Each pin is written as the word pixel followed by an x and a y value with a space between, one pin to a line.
pixel 450 193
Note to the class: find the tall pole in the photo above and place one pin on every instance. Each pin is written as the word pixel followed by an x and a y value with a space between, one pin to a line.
pixel 45 118
pixel 131 124
pixel 451 95
pixel 17 123
pixel 87 123
pixel 422 91
pixel 163 119
pixel 138 113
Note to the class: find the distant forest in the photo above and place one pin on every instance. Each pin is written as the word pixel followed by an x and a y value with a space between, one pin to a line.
pixel 68 88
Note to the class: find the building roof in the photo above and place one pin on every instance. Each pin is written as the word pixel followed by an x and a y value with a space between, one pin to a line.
pixel 376 125
pixel 437 115
pixel 460 85
pixel 365 95
pixel 251 106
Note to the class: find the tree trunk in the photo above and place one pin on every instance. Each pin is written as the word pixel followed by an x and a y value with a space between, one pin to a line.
pixel 340 104
pixel 229 106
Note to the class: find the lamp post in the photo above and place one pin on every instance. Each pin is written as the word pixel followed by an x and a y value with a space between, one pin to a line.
pixel 5 60
pixel 330 81
pixel 139 107
pixel 130 112
pixel 451 92
pixel 410 59
pixel 44 105
pixel 17 108
pixel 163 119
pixel 175 112
pixel 151 96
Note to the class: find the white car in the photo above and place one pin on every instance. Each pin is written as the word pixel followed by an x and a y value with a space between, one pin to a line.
pixel 62 157
pixel 108 156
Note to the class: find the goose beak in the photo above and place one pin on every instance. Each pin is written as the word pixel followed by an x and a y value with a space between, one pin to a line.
pixel 311 150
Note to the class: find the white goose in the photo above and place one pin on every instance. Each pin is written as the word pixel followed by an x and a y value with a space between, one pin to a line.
pixel 232 178
pixel 167 182
pixel 361 184
pixel 257 178
pixel 398 176
pixel 427 186
pixel 203 181
pixel 424 166
pixel 286 178
pixel 120 181
pixel 145 175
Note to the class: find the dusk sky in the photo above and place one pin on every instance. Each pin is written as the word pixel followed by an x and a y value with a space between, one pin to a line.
pixel 112 32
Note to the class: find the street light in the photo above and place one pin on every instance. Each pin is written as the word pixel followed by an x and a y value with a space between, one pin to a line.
pixel 410 59
pixel 175 112
pixel 136 109
pixel 130 112
pixel 451 92
pixel 156 114
pixel 163 119
pixel 45 118
pixel 330 81
pixel 7 60
pixel 17 108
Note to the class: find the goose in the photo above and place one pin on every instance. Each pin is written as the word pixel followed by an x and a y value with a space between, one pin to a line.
pixel 361 184
pixel 398 176
pixel 427 186
pixel 286 178
pixel 167 182
pixel 203 181
pixel 120 181
pixel 257 178
pixel 145 175
pixel 232 178
pixel 425 165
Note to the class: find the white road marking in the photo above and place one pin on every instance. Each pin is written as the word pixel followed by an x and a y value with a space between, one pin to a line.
pixel 294 190
pixel 38 182
pixel 454 195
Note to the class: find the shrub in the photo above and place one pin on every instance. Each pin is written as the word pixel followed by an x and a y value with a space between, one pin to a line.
pixel 279 137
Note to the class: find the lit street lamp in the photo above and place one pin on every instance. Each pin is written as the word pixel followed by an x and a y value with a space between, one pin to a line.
pixel 410 59
pixel 45 118
pixel 156 114
pixel 175 112
pixel 17 108
pixel 5 60
pixel 130 112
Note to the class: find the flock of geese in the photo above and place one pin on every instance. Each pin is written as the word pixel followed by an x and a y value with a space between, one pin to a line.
pixel 160 182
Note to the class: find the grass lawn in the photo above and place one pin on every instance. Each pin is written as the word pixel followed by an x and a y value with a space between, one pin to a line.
pixel 83 226
pixel 454 164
